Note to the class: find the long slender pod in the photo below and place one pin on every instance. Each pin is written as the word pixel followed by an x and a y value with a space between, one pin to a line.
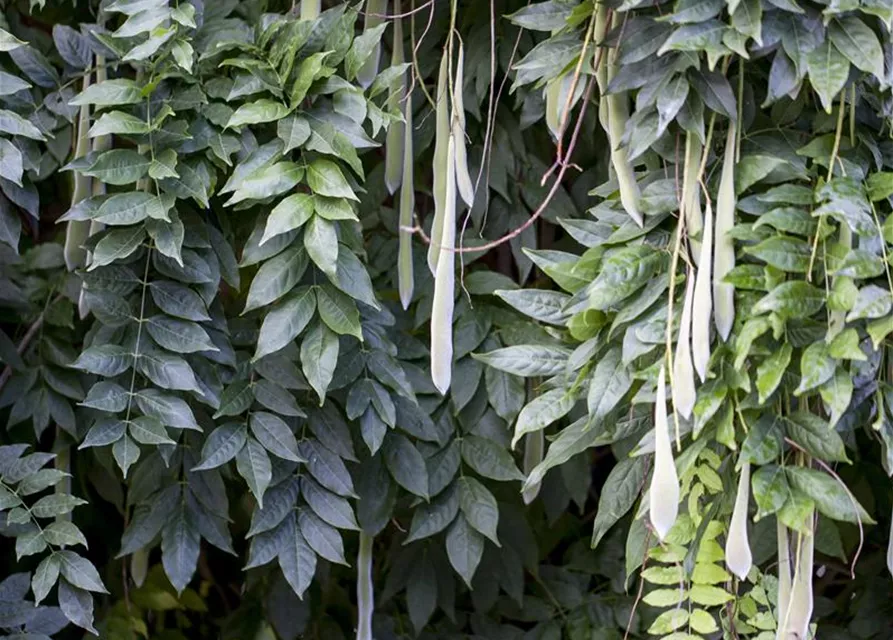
pixel 664 491
pixel 784 579
pixel 77 231
pixel 463 179
pixel 739 558
pixel 601 71
pixel 618 115
pixel 683 389
pixel 703 304
pixel 393 159
pixel 799 613
pixel 310 9
pixel 444 284
pixel 407 204
pixel 441 137
pixel 691 195
pixel 374 10
pixel 365 593
pixel 534 445
pixel 724 258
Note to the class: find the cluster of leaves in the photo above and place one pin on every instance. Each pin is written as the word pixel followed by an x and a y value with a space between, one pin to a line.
pixel 232 320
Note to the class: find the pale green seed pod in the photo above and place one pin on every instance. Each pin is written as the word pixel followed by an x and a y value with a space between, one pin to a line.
pixel 365 592
pixel 890 549
pixel 600 30
pixel 534 447
pixel 441 139
pixel 799 613
pixel 393 160
pixel 724 256
pixel 444 286
pixel 683 389
pixel 463 178
pixel 374 9
pixel 739 558
pixel 310 9
pixel 691 195
pixel 617 115
pixel 407 205
pixel 77 231
pixel 664 491
pixel 784 579
pixel 703 304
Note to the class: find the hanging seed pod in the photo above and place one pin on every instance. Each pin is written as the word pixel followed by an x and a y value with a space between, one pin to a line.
pixel 691 195
pixel 365 593
pixel 407 204
pixel 739 559
pixel 310 9
pixel 664 491
pixel 444 283
pixel 599 32
pixel 683 389
pixel 703 304
pixel 374 10
pixel 890 548
pixel 77 231
pixel 724 258
pixel 463 179
pixel 441 136
pixel 534 445
pixel 618 115
pixel 393 159
pixel 784 579
pixel 799 612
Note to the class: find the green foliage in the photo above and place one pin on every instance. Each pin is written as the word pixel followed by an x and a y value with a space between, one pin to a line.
pixel 215 355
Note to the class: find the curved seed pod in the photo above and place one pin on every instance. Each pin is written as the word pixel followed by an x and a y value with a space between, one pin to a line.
pixel 784 579
pixel 393 159
pixel 664 491
pixel 407 204
pixel 365 593
pixel 463 179
pixel 618 114
pixel 799 612
pixel 77 231
pixel 890 549
pixel 724 259
pixel 683 389
pixel 703 304
pixel 739 559
pixel 691 194
pixel 534 444
pixel 601 71
pixel 310 9
pixel 444 284
pixel 441 136
pixel 367 73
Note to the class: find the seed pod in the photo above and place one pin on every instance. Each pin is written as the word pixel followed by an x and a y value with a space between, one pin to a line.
pixel 618 114
pixel 784 579
pixel 393 159
pixel 890 549
pixel 441 136
pixel 365 593
pixel 664 491
pixel 463 179
pixel 724 258
pixel 739 559
pixel 77 231
pixel 374 9
pixel 534 444
pixel 310 9
pixel 799 612
pixel 407 204
pixel 444 283
pixel 691 195
pixel 703 304
pixel 601 72
pixel 683 389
